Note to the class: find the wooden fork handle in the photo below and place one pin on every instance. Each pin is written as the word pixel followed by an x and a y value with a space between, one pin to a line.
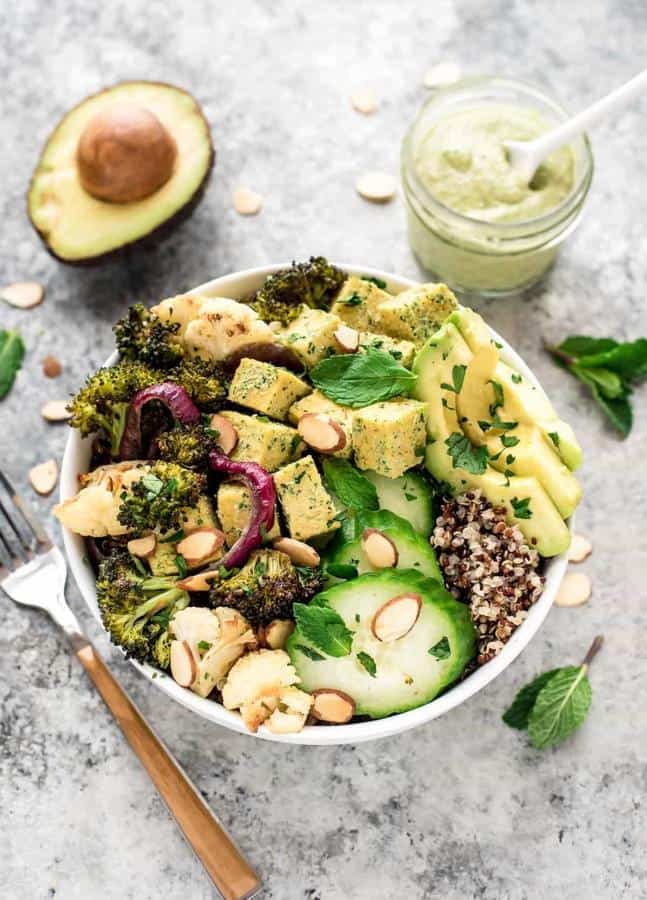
pixel 226 866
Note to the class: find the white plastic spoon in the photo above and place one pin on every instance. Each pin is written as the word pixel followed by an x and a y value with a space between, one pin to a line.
pixel 525 156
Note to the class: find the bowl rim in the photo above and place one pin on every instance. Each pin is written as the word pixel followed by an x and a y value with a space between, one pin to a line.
pixel 75 459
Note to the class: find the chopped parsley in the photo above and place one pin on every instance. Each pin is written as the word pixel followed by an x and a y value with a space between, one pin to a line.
pixel 522 508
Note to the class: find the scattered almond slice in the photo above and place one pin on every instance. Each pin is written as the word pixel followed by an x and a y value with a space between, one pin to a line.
pixel 580 548
pixel 378 187
pixel 247 202
pixel 574 590
pixel 380 550
pixel 364 100
pixel 143 547
pixel 332 706
pixel 321 432
pixel 52 368
pixel 442 74
pixel 396 617
pixel 227 434
pixel 300 553
pixel 55 411
pixel 183 665
pixel 43 477
pixel 200 582
pixel 23 294
pixel 200 545
pixel 347 338
pixel 276 634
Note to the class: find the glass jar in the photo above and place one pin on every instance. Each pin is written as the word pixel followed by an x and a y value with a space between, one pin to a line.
pixel 472 255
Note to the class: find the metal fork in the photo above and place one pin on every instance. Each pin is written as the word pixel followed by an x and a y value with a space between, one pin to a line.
pixel 32 573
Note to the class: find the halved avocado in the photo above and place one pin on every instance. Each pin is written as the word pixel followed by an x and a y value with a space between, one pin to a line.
pixel 122 165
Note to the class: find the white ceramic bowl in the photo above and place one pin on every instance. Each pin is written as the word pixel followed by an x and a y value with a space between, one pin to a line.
pixel 76 460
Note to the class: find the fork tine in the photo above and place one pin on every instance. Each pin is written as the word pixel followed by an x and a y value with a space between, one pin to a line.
pixel 8 554
pixel 24 546
pixel 34 526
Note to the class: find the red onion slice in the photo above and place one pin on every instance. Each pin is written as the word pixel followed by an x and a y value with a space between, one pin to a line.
pixel 172 396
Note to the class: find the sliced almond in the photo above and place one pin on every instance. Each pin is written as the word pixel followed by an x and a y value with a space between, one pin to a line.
pixel 364 100
pixel 200 582
pixel 55 411
pixel 332 706
pixel 52 368
pixel 227 434
pixel 247 202
pixel 580 548
pixel 23 294
pixel 200 545
pixel 347 338
pixel 43 477
pixel 380 550
pixel 397 617
pixel 378 187
pixel 442 74
pixel 299 552
pixel 321 432
pixel 574 590
pixel 142 547
pixel 183 665
pixel 276 634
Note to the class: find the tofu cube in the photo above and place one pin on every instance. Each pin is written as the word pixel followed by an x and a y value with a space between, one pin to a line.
pixel 415 314
pixel 307 506
pixel 162 561
pixel 358 302
pixel 402 351
pixel 316 402
pixel 270 444
pixel 310 335
pixel 234 505
pixel 389 437
pixel 266 388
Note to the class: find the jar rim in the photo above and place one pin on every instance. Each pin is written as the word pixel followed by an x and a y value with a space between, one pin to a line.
pixel 538 223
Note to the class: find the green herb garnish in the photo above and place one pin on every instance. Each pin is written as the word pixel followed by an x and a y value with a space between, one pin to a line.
pixel 359 379
pixel 441 649
pixel 465 455
pixel 458 377
pixel 309 652
pixel 521 507
pixel 324 628
pixel 368 662
pixel 12 353
pixel 353 489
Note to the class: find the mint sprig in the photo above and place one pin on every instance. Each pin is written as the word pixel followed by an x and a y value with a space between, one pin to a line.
pixel 359 379
pixel 324 628
pixel 353 489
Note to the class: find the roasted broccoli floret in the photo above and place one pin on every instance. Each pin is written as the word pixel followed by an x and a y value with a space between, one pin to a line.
pixel 266 587
pixel 143 336
pixel 314 283
pixel 160 498
pixel 203 382
pixel 101 405
pixel 136 609
pixel 187 445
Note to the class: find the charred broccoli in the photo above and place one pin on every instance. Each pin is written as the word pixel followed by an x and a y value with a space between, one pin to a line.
pixel 314 283
pixel 266 587
pixel 187 445
pixel 136 609
pixel 203 382
pixel 101 405
pixel 160 497
pixel 143 336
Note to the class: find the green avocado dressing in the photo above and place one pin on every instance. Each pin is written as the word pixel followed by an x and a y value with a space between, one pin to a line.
pixel 462 162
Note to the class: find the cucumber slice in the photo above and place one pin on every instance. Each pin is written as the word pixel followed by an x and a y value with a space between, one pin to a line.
pixel 406 673
pixel 410 496
pixel 414 551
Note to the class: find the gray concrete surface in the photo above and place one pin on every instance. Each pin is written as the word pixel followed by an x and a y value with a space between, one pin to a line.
pixel 462 808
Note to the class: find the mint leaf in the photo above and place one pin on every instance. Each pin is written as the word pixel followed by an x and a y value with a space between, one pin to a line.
pixel 441 649
pixel 377 281
pixel 581 345
pixel 608 383
pixel 353 489
pixel 340 570
pixel 12 352
pixel 517 715
pixel 465 455
pixel 561 706
pixel 521 507
pixel 359 379
pixel 324 628
pixel 629 360
pixel 368 662
pixel 617 411
pixel 309 652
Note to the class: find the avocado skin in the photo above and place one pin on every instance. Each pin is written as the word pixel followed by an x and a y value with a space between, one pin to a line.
pixel 151 238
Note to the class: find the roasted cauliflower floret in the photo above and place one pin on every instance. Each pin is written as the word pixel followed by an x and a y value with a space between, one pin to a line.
pixel 291 713
pixel 95 509
pixel 181 310
pixel 257 685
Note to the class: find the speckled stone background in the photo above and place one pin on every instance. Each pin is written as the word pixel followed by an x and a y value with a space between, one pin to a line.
pixel 462 808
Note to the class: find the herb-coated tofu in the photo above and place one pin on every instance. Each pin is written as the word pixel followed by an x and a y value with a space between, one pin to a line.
pixel 163 559
pixel 389 437
pixel 402 351
pixel 234 509
pixel 316 402
pixel 415 314
pixel 307 506
pixel 266 388
pixel 270 444
pixel 358 302
pixel 310 335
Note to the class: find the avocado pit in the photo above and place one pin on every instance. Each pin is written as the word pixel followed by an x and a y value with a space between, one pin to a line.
pixel 125 154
